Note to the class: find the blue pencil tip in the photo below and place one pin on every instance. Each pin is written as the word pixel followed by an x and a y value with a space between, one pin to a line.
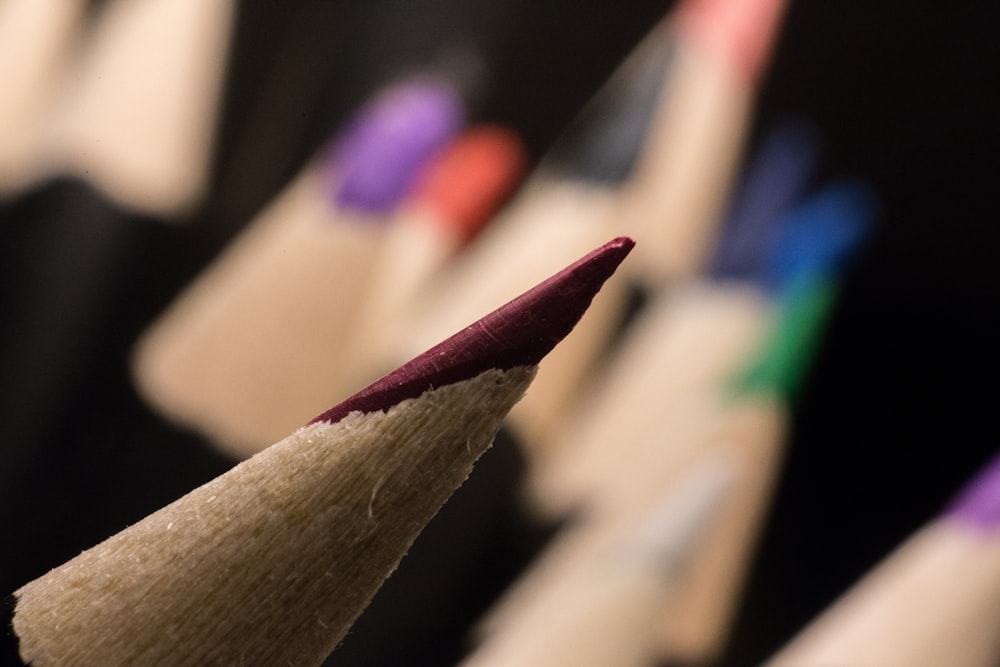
pixel 821 233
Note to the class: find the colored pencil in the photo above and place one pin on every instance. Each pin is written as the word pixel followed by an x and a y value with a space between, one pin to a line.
pixel 722 47
pixel 711 335
pixel 682 349
pixel 749 432
pixel 934 601
pixel 272 561
pixel 247 352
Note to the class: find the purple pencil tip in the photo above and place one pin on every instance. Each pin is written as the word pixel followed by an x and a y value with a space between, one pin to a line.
pixel 377 158
pixel 519 333
pixel 978 504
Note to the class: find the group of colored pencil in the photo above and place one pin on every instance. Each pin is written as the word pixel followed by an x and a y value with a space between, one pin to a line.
pixel 652 432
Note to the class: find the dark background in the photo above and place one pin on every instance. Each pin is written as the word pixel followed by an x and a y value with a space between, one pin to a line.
pixel 898 409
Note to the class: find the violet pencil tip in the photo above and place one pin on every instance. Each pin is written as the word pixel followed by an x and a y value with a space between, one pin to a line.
pixel 978 503
pixel 390 140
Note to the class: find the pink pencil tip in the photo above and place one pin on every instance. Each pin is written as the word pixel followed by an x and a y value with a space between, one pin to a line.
pixel 742 31
pixel 519 333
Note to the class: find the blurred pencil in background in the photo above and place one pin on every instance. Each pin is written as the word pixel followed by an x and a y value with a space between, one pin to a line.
pixel 647 449
pixel 722 48
pixel 596 594
pixel 584 188
pixel 141 104
pixel 685 343
pixel 135 112
pixel 40 37
pixel 253 346
pixel 752 425
pixel 933 601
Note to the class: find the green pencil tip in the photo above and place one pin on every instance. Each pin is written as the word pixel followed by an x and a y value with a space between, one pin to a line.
pixel 782 363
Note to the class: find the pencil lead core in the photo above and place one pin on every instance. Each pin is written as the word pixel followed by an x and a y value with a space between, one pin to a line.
pixel 519 333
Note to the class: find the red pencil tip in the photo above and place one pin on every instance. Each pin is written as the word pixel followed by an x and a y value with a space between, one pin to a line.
pixel 519 333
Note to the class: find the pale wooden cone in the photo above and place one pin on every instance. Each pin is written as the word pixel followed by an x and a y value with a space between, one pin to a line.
pixel 37 39
pixel 271 562
pixel 594 598
pixel 675 199
pixel 751 437
pixel 935 601
pixel 684 348
pixel 253 348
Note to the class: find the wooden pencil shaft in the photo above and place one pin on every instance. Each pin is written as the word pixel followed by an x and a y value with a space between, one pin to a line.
pixel 36 41
pixel 935 601
pixel 749 437
pixel 595 597
pixel 271 562
pixel 682 348
pixel 594 623
pixel 294 279
pixel 675 198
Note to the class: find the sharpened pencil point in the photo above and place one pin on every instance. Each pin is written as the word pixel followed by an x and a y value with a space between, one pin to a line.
pixel 519 333
pixel 273 560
